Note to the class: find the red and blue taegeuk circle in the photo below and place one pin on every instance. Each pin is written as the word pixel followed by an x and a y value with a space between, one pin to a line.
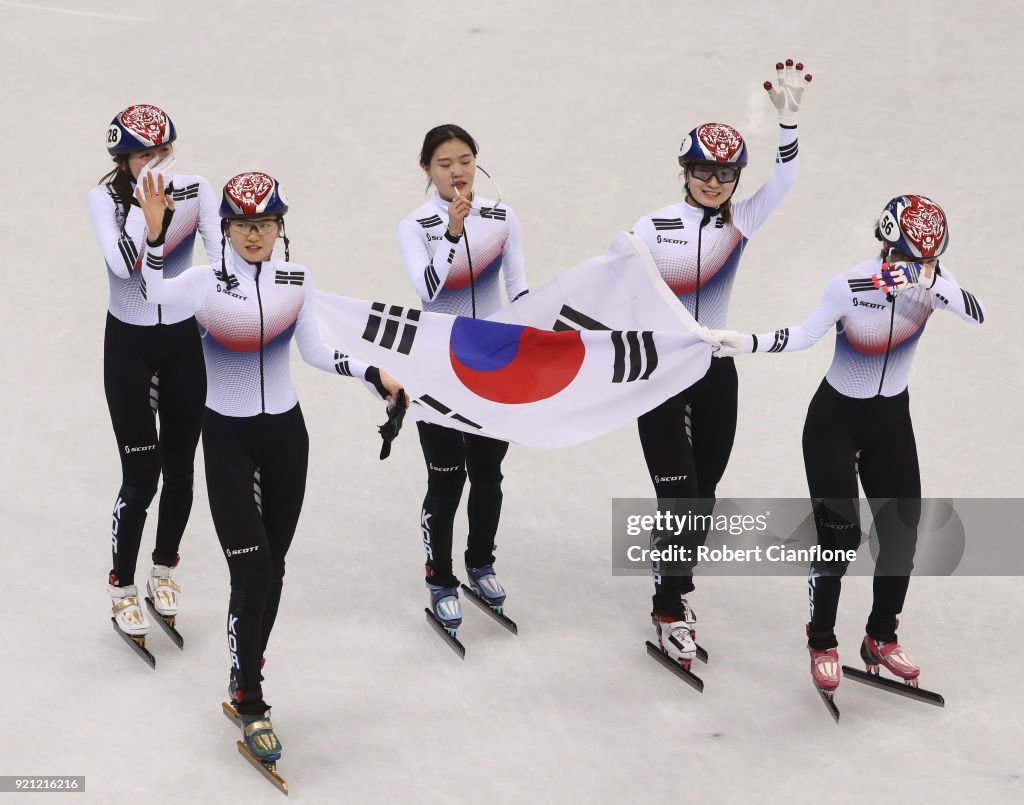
pixel 509 363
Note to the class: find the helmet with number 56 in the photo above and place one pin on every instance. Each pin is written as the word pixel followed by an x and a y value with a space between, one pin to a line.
pixel 915 226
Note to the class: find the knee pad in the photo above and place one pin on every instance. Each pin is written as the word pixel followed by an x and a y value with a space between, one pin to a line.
pixel 485 473
pixel 137 497
pixel 181 481
pixel 249 601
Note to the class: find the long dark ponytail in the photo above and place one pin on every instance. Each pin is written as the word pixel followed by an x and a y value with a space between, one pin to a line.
pixel 119 182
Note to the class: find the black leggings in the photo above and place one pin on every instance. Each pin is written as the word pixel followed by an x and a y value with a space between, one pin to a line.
pixel 687 441
pixel 136 359
pixel 874 437
pixel 450 456
pixel 256 479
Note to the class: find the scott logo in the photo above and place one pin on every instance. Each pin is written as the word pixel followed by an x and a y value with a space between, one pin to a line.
pixel 128 449
pixel 672 240
pixel 223 290
pixel 872 305
pixel 664 479
pixel 229 552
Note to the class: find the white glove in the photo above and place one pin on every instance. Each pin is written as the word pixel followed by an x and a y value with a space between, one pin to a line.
pixel 158 167
pixel 730 343
pixel 786 98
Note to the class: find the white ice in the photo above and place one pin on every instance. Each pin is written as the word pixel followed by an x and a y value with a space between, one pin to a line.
pixel 579 108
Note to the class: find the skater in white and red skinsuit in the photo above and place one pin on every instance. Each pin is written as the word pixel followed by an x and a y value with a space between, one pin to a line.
pixel 458 249
pixel 697 244
pixel 858 423
pixel 152 358
pixel 251 307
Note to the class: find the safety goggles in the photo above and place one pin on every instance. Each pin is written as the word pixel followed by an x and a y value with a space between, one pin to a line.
pixel 243 227
pixel 726 174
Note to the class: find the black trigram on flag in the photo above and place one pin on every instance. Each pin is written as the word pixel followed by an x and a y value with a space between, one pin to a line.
pixel 636 357
pixel 571 319
pixel 862 285
pixel 497 213
pixel 388 323
pixel 444 410
pixel 288 277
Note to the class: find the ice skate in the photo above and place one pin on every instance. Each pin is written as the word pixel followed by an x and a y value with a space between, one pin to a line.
pixel 891 656
pixel 676 648
pixel 485 591
pixel 825 675
pixel 879 654
pixel 162 590
pixel 484 583
pixel 446 607
pixel 162 600
pixel 261 747
pixel 259 737
pixel 675 636
pixel 824 668
pixel 130 620
pixel 445 615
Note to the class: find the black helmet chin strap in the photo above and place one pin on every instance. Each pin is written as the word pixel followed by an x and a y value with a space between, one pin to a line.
pixel 284 236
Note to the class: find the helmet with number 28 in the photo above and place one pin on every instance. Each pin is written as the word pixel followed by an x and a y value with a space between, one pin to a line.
pixel 915 226
pixel 139 128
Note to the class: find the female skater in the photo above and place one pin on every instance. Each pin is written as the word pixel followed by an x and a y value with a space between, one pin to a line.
pixel 858 423
pixel 149 348
pixel 250 306
pixel 697 245
pixel 454 247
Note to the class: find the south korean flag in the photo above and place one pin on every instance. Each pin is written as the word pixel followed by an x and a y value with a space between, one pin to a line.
pixel 519 383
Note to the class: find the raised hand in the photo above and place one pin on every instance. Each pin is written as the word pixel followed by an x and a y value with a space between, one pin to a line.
pixel 895 277
pixel 155 204
pixel 458 210
pixel 786 97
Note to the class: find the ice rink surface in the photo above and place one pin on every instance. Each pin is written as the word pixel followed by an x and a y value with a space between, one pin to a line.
pixel 579 108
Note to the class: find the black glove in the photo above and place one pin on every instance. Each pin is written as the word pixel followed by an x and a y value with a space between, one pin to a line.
pixel 390 429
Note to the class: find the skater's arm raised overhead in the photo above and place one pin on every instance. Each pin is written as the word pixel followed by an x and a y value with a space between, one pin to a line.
pixel 787 96
pixel 751 213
